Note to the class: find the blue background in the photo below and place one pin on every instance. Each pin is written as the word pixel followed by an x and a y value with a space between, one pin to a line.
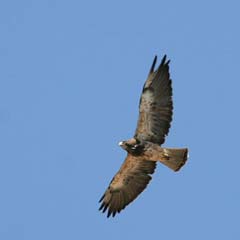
pixel 70 81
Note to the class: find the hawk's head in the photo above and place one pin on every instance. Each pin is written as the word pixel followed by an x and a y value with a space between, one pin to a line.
pixel 132 146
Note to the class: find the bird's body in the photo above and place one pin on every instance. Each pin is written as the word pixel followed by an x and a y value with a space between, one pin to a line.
pixel 147 151
pixel 144 150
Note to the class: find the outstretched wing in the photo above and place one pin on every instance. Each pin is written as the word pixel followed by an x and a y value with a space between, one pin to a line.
pixel 132 178
pixel 155 108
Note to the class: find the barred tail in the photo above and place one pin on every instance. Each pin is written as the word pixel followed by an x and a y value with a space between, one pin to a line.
pixel 174 158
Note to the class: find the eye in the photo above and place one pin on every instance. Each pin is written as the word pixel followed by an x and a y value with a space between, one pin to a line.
pixel 137 141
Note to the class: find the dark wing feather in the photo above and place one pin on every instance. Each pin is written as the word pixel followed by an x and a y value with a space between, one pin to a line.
pixel 132 178
pixel 155 108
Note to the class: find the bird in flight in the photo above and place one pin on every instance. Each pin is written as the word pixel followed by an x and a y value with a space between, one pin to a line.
pixel 144 150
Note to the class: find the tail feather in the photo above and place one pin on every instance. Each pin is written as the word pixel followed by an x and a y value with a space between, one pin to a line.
pixel 174 158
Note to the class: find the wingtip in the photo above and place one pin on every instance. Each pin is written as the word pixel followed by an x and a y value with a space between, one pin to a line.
pixel 101 198
pixel 164 62
pixel 101 207
pixel 109 214
pixel 153 64
pixel 163 59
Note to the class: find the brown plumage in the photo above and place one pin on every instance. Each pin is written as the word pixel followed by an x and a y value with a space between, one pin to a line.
pixel 128 183
pixel 144 150
pixel 155 108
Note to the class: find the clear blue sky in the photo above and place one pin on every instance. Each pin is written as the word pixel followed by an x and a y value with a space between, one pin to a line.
pixel 70 80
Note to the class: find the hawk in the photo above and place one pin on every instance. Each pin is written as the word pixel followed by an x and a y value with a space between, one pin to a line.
pixel 144 149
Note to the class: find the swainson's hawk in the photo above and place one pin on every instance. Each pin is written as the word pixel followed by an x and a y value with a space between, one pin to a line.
pixel 144 149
